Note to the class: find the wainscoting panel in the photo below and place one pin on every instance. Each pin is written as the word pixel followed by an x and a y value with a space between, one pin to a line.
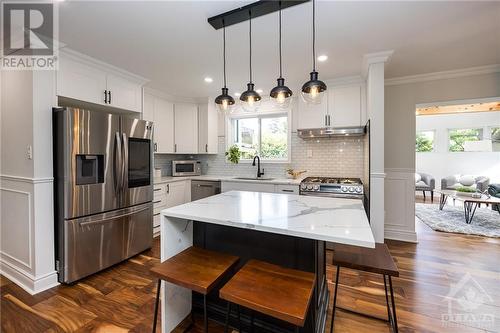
pixel 27 232
pixel 400 205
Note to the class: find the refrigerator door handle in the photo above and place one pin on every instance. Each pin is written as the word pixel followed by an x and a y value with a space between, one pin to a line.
pixel 118 162
pixel 103 218
pixel 125 159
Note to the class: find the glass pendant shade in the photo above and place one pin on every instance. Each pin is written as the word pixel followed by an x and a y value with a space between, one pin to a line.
pixel 224 102
pixel 313 90
pixel 281 95
pixel 250 99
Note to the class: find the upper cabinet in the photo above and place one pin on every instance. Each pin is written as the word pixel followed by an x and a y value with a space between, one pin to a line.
pixel 343 106
pixel 161 112
pixel 186 128
pixel 207 128
pixel 89 80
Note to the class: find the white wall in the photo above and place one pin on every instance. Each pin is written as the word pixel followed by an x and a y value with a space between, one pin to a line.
pixel 401 97
pixel 26 188
pixel 441 163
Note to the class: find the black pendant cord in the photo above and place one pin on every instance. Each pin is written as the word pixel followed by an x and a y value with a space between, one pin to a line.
pixel 250 35
pixel 281 74
pixel 224 51
pixel 314 36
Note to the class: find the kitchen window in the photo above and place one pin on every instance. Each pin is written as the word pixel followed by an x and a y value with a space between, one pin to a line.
pixel 424 142
pixel 266 135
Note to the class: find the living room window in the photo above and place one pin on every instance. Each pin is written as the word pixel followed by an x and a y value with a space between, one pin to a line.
pixel 266 135
pixel 458 138
pixel 424 141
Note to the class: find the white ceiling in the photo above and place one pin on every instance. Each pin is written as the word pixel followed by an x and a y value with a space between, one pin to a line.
pixel 172 44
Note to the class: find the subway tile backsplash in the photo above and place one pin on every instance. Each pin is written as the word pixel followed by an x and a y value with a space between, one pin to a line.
pixel 342 157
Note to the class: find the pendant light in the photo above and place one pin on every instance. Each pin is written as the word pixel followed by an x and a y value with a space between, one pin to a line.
pixel 250 98
pixel 281 94
pixel 224 101
pixel 314 89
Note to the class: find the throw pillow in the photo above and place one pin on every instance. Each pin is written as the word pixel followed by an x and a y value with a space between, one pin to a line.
pixel 467 180
pixel 417 178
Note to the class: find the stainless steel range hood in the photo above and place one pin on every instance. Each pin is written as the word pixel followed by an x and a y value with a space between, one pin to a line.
pixel 328 132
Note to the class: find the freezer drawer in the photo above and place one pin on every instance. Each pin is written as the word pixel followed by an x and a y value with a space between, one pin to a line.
pixel 96 242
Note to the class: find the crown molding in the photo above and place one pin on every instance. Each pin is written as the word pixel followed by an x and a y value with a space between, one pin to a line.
pixel 374 58
pixel 488 69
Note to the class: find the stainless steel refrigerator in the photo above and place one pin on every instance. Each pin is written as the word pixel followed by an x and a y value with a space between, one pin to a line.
pixel 103 190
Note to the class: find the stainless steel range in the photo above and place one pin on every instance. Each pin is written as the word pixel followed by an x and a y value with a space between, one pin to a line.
pixel 332 187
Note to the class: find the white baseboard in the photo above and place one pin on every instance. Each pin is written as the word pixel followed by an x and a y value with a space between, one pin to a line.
pixel 400 235
pixel 31 284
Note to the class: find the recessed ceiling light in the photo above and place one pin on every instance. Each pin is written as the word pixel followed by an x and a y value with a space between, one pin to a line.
pixel 259 91
pixel 237 94
pixel 323 57
pixel 209 80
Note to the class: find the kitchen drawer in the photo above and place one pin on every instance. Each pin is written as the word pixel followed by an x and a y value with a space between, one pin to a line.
pixel 158 208
pixel 159 189
pixel 159 196
pixel 289 189
pixel 156 220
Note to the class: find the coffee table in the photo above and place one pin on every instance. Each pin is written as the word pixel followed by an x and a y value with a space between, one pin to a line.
pixel 470 203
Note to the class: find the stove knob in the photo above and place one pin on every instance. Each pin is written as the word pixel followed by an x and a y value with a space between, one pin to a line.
pixel 303 186
pixel 316 187
pixel 309 187
pixel 358 189
pixel 344 189
pixel 351 189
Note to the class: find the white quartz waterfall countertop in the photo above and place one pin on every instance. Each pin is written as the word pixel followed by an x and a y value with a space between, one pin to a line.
pixel 335 220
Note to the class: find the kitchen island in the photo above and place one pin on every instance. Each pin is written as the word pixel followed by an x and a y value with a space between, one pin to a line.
pixel 287 230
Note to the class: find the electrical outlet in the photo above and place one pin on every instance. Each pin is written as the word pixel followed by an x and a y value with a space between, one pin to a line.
pixel 29 152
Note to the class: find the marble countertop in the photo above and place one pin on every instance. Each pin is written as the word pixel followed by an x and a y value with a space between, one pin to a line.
pixel 335 220
pixel 279 181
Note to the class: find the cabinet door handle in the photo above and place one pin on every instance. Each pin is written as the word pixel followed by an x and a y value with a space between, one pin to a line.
pixel 105 97
pixel 155 202
pixel 156 147
pixel 206 148
pixel 156 214
pixel 175 147
pixel 326 120
pixel 291 191
pixel 168 188
pixel 156 189
pixel 109 96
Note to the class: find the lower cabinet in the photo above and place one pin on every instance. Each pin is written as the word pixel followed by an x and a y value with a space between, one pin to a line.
pixel 169 195
pixel 256 187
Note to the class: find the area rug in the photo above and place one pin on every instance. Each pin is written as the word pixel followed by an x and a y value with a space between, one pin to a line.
pixel 486 222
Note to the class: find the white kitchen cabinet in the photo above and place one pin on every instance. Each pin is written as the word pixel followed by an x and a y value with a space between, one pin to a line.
pixel 345 106
pixel 207 128
pixel 89 80
pixel 169 195
pixel 80 81
pixel 163 114
pixel 178 193
pixel 123 93
pixel 311 116
pixel 186 128
pixel 148 110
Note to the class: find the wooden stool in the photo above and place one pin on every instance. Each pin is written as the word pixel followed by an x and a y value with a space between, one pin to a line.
pixel 377 260
pixel 194 268
pixel 273 290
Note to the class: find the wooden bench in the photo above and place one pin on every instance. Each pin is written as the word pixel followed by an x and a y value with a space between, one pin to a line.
pixel 194 268
pixel 378 261
pixel 272 290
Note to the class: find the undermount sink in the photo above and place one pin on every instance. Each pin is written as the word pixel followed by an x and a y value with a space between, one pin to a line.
pixel 253 178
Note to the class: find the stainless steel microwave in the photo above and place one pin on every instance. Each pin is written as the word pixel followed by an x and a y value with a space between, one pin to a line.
pixel 186 168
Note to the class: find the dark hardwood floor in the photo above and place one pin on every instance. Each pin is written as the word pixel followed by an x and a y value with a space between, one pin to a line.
pixel 121 299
